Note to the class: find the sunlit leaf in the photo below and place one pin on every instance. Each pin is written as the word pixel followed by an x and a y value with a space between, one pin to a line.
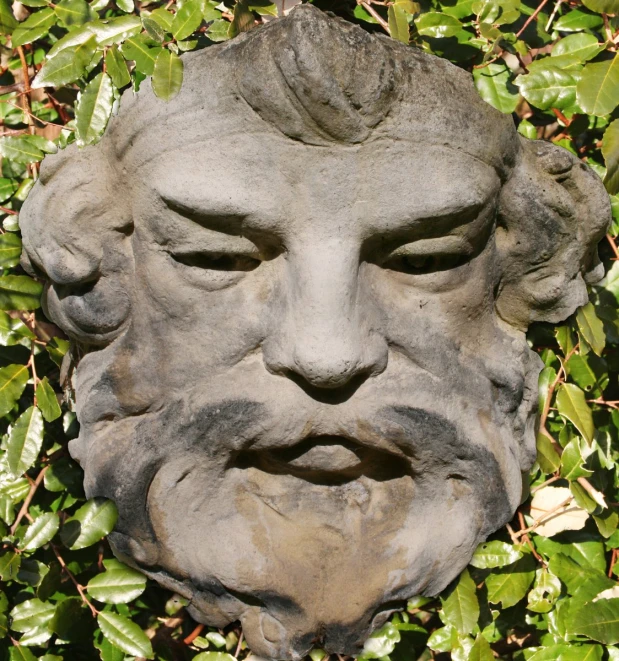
pixel 460 604
pixel 47 400
pixel 40 531
pixel 25 441
pixel 34 27
pixel 168 75
pixel 125 634
pixel 89 524
pixel 436 24
pixel 597 91
pixel 548 87
pixel 398 24
pixel 117 586
pixel 93 109
pixel 495 85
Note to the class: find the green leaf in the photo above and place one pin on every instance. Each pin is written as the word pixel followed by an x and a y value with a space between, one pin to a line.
pixel 494 84
pixel 13 380
pixel 21 654
pixel 19 292
pixel 164 18
pixel 34 27
pixel 509 585
pixel 93 110
pixel 545 592
pixel 154 30
pixel 10 250
pixel 40 531
pixel 7 20
pixel 598 620
pixel 25 441
pixel 109 652
pixel 168 75
pixel 214 656
pixel 67 66
pixel 72 621
pixel 47 400
pixel 577 20
pixel 573 460
pixel 117 586
pixel 74 12
pixel 31 614
pixel 548 87
pixel 572 405
pixel 9 565
pixel 460 604
pixel 91 522
pixel 591 328
pixel 436 24
pixel 588 372
pixel 243 20
pixel 489 555
pixel 187 19
pixel 481 650
pixel 547 455
pixel 572 50
pixel 602 6
pixel 610 151
pixel 125 634
pixel 380 644
pixel 138 50
pixel 125 5
pixel 597 91
pixel 398 24
pixel 7 187
pixel 218 31
pixel 20 150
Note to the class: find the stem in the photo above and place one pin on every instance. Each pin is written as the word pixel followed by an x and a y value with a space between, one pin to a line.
pixel 80 588
pixel 370 10
pixel 193 635
pixel 24 508
pixel 531 18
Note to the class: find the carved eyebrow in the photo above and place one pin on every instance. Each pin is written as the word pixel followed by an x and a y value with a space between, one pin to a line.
pixel 225 221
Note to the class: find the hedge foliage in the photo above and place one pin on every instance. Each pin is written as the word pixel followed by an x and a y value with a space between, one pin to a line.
pixel 543 588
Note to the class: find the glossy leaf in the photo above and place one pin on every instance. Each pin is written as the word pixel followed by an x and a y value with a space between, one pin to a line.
pixel 40 531
pixel 597 91
pixel 460 605
pixel 90 523
pixel 509 585
pixel 117 586
pixel 167 75
pixel 74 12
pixel 187 19
pixel 25 441
pixel 125 634
pixel 93 109
pixel 548 87
pixel 68 66
pixel 47 401
pixel 610 151
pixel 398 24
pixel 489 555
pixel 10 250
pixel 13 379
pixel 34 27
pixel 495 85
pixel 572 405
pixel 436 24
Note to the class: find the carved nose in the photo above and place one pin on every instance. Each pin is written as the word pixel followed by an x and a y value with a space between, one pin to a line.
pixel 323 337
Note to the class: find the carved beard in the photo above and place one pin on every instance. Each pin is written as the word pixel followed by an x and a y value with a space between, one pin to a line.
pixel 216 502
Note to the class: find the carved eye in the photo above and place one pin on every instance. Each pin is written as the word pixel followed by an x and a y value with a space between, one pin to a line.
pixel 219 261
pixel 415 264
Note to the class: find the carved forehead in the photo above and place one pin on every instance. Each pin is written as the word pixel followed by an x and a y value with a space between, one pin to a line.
pixel 320 81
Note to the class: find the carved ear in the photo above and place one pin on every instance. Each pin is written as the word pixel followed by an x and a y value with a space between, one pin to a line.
pixel 75 231
pixel 553 211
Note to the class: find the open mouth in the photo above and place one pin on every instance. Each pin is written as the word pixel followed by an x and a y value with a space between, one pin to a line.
pixel 326 460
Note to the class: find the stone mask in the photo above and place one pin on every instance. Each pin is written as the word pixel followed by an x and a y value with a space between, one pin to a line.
pixel 297 296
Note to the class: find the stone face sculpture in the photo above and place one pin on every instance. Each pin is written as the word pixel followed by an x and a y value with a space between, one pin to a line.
pixel 297 297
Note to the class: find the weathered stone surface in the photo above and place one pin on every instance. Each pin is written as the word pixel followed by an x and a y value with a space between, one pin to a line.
pixel 297 295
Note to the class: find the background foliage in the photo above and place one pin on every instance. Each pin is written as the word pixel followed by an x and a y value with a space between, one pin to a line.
pixel 545 587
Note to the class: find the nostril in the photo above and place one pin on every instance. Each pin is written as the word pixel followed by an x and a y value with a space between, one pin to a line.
pixel 331 393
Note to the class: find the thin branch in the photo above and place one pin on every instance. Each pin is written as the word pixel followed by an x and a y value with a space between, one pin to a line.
pixel 80 588
pixel 531 18
pixel 26 504
pixel 379 19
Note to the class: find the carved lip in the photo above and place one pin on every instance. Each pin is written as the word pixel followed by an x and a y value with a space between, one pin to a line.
pixel 326 460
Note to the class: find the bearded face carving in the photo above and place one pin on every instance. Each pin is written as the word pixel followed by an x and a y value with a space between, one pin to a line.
pixel 297 296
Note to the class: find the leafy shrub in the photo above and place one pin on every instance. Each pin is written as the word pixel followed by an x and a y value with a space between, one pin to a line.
pixel 543 588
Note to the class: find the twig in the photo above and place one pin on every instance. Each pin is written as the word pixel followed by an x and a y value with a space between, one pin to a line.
pixel 613 245
pixel 194 634
pixel 238 645
pixel 80 588
pixel 552 15
pixel 543 519
pixel 531 18
pixel 528 541
pixel 374 14
pixel 26 504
